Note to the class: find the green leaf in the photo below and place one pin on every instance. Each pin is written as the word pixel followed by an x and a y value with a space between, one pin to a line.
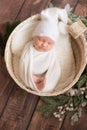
pixel 50 5
pixel 77 100
pixel 47 109
pixel 84 20
pixel 61 99
pixel 48 100
pixel 43 108
pixel 82 80
pixel 3 38
pixel 72 17
pixel 51 109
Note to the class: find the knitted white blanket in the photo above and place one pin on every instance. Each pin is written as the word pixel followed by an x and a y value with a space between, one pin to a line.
pixel 35 62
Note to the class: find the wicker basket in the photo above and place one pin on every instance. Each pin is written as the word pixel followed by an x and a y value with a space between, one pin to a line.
pixel 79 46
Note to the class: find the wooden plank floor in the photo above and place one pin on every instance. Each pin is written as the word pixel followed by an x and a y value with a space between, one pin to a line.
pixel 17 107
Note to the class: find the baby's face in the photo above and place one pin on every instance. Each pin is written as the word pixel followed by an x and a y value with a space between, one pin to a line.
pixel 43 43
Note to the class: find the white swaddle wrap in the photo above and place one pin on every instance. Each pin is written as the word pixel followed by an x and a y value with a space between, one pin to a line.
pixel 58 62
pixel 35 62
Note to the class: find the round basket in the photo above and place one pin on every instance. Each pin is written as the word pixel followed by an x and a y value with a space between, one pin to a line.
pixel 79 46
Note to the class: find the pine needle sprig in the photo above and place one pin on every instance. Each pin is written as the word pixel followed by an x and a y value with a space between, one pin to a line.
pixel 3 38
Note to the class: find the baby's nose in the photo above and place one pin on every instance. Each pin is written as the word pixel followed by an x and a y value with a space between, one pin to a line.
pixel 45 44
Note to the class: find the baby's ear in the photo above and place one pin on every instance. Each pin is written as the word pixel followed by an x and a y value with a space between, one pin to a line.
pixel 62 15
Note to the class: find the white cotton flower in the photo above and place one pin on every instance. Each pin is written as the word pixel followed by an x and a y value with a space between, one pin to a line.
pixel 58 115
pixel 71 104
pixel 67 108
pixel 72 92
pixel 66 105
pixel 62 112
pixel 60 107
pixel 71 109
pixel 55 116
pixel 54 113
pixel 82 92
pixel 82 88
pixel 84 104
pixel 60 119
pixel 68 8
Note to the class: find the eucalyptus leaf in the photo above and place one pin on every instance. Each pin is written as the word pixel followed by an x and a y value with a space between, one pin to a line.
pixel 47 109
pixel 82 80
pixel 77 100
pixel 50 111
pixel 48 100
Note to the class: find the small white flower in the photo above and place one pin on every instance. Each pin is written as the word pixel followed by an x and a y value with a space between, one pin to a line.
pixel 82 88
pixel 85 96
pixel 60 119
pixel 66 105
pixel 67 108
pixel 71 104
pixel 60 107
pixel 58 115
pixel 62 112
pixel 54 113
pixel 68 8
pixel 55 116
pixel 84 104
pixel 82 92
pixel 71 109
pixel 72 92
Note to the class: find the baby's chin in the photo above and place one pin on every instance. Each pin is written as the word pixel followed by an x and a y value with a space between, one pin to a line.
pixel 43 49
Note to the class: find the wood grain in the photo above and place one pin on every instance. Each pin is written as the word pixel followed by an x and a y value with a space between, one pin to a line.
pixel 51 123
pixel 7 13
pixel 80 125
pixel 6 85
pixel 19 107
pixel 40 123
pixel 81 8
pixel 9 10
pixel 62 3
pixel 18 110
pixel 32 7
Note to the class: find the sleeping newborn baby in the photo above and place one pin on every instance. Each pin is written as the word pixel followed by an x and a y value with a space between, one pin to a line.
pixel 39 67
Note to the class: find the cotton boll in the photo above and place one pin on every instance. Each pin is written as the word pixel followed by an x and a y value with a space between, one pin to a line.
pixel 72 92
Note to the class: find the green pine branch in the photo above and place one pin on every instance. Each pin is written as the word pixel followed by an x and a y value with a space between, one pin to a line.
pixel 3 38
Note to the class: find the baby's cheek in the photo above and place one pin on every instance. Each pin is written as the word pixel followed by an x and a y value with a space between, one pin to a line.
pixel 51 46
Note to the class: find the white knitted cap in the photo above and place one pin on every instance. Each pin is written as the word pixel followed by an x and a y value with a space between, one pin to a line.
pixel 48 26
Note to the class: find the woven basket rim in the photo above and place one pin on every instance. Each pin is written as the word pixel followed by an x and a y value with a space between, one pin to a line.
pixel 8 64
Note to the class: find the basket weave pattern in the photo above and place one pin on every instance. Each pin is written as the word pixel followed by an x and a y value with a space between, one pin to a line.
pixel 79 46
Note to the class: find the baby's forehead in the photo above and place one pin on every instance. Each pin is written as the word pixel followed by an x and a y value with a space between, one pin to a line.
pixel 44 38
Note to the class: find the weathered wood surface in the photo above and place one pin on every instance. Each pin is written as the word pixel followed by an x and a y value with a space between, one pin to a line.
pixel 17 107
